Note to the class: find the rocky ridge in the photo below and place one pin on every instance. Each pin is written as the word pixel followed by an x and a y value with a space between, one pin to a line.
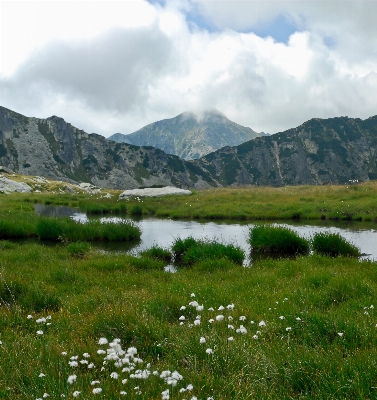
pixel 57 150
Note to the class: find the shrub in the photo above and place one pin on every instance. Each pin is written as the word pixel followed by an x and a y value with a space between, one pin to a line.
pixel 277 240
pixel 333 244
pixel 157 253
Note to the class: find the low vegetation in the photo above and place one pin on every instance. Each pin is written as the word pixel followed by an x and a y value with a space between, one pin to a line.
pixel 157 253
pixel 76 322
pixel 333 244
pixel 190 251
pixel 289 328
pixel 270 239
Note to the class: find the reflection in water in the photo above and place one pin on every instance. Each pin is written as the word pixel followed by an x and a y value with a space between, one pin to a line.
pixel 162 232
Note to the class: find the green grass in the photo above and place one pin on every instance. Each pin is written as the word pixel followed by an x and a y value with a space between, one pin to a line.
pixel 65 229
pixel 318 341
pixel 356 202
pixel 190 251
pixel 270 239
pixel 157 253
pixel 333 244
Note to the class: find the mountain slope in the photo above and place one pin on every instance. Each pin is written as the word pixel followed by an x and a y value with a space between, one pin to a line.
pixel 320 151
pixel 57 150
pixel 189 136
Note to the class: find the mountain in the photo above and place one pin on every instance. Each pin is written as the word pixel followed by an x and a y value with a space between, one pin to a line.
pixel 55 149
pixel 320 151
pixel 190 136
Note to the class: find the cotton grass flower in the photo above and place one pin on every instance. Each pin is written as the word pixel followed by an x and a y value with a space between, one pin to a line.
pixel 76 393
pixel 165 395
pixel 41 375
pixel 230 306
pixel 209 351
pixel 262 323
pixel 288 328
pixel 96 390
pixel 102 341
pixel 71 379
pixel 340 334
pixel 197 322
pixel 219 317
pixel 220 308
pixel 202 340
pixel 281 317
pixel 211 321
pixel 93 383
pixel 242 318
pixel 40 332
pixel 230 339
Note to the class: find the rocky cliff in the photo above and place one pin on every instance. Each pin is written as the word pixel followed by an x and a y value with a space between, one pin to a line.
pixel 320 151
pixel 190 136
pixel 57 150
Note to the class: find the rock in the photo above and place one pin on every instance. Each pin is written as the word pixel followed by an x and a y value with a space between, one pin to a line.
pixel 69 189
pixel 9 186
pixel 154 192
pixel 6 170
pixel 88 187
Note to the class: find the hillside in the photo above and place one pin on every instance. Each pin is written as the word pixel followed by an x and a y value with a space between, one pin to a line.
pixel 55 149
pixel 318 152
pixel 189 136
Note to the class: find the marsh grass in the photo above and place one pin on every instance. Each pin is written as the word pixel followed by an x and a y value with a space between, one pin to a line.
pixel 158 253
pixel 65 229
pixel 111 295
pixel 271 239
pixel 333 244
pixel 190 251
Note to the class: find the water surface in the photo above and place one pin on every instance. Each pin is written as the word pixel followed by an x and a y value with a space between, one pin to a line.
pixel 162 232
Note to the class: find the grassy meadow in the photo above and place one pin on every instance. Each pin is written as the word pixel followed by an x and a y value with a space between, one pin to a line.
pixel 354 202
pixel 76 322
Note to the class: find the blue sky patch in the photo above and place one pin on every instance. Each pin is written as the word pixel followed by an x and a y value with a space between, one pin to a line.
pixel 280 29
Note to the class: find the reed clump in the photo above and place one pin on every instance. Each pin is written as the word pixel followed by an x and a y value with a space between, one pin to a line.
pixel 271 239
pixel 65 229
pixel 333 245
pixel 189 251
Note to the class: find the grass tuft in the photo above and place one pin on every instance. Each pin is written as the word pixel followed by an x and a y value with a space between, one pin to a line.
pixel 333 245
pixel 157 253
pixel 269 239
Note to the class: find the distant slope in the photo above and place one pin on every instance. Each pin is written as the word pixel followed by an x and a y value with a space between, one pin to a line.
pixel 320 151
pixel 188 136
pixel 55 149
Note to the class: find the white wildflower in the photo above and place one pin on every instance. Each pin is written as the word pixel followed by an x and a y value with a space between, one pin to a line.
pixel 219 317
pixel 76 393
pixel 71 379
pixel 202 340
pixel 262 323
pixel 209 351
pixel 96 390
pixel 103 340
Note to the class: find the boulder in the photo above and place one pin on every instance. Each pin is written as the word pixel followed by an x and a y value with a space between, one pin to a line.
pixel 9 186
pixel 154 192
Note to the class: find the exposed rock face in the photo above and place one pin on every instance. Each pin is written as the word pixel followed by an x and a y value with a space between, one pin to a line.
pixel 57 150
pixel 189 136
pixel 320 151
pixel 154 192
pixel 9 186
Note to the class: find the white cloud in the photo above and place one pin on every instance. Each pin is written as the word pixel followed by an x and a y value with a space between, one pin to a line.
pixel 111 67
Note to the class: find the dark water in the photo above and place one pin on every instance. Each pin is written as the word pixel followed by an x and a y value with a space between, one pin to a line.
pixel 162 232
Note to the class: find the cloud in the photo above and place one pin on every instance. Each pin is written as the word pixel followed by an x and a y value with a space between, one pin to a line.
pixel 129 75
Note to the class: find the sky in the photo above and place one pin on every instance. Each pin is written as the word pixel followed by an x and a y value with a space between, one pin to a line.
pixel 116 66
